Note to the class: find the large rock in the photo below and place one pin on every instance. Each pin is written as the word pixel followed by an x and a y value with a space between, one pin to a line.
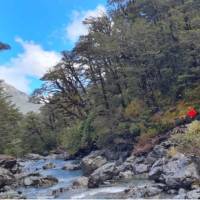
pixel 7 162
pixel 138 165
pixel 159 151
pixel 176 172
pixel 126 174
pixel 11 194
pixel 194 194
pixel 127 165
pixel 80 182
pixel 93 161
pixel 140 168
pixel 104 173
pixel 36 180
pixel 122 151
pixel 142 192
pixel 196 160
pixel 181 194
pixel 157 169
pixel 134 164
pixel 6 177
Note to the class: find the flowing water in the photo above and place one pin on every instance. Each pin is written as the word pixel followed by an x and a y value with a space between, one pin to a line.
pixel 65 178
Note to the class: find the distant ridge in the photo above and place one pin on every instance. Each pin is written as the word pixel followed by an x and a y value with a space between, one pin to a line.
pixel 19 98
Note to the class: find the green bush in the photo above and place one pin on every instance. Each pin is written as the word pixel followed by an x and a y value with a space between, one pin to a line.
pixel 190 141
pixel 80 135
pixel 88 131
pixel 15 148
pixel 135 129
pixel 71 138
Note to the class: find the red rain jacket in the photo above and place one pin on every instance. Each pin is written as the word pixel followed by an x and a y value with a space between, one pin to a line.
pixel 192 113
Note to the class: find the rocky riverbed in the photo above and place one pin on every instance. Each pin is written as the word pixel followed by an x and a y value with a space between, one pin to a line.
pixel 168 175
pixel 160 173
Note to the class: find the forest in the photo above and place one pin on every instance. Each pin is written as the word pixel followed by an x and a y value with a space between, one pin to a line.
pixel 126 82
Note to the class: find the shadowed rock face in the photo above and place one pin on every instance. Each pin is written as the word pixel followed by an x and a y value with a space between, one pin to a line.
pixel 20 99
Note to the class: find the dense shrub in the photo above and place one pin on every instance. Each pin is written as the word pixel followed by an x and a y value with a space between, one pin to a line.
pixel 71 138
pixel 189 142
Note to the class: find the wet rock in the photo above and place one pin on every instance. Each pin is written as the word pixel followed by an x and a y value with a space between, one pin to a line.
pixel 145 191
pixel 48 181
pixel 104 173
pixel 39 181
pixel 80 182
pixel 57 192
pixel 11 194
pixel 5 188
pixel 194 194
pixel 93 161
pixel 126 175
pixel 8 162
pixel 176 172
pixel 30 179
pixel 49 166
pixel 72 167
pixel 6 177
pixel 16 168
pixel 172 191
pixel 181 194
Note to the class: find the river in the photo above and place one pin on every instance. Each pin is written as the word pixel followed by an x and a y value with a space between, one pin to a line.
pixel 65 179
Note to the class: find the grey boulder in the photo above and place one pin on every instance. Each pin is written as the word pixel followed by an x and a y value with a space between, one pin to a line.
pixel 6 177
pixel 104 173
pixel 93 161
pixel 176 172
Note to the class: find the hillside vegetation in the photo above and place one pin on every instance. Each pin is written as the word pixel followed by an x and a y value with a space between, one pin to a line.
pixel 131 78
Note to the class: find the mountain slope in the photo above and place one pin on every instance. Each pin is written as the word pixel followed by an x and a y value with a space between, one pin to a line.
pixel 20 99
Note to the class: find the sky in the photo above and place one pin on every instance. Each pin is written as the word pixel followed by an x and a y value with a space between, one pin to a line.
pixel 37 31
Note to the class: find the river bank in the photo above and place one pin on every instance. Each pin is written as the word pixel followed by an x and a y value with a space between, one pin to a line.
pixel 160 173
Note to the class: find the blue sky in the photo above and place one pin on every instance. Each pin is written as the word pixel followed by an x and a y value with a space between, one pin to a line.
pixel 37 31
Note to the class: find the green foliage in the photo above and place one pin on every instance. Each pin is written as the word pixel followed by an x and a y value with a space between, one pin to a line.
pixel 189 142
pixel 80 136
pixel 88 131
pixel 15 147
pixel 135 72
pixel 9 126
pixel 71 138
pixel 140 67
pixel 36 137
pixel 135 129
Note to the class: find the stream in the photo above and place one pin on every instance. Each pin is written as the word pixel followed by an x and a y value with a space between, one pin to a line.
pixel 65 179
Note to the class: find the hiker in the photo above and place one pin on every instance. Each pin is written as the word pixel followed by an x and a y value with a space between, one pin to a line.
pixel 192 113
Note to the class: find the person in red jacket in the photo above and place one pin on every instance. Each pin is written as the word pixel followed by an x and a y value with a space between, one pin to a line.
pixel 192 113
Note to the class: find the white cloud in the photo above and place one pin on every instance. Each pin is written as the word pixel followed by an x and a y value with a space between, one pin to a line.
pixel 34 61
pixel 76 28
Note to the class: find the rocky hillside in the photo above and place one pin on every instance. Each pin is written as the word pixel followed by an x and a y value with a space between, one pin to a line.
pixel 20 99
